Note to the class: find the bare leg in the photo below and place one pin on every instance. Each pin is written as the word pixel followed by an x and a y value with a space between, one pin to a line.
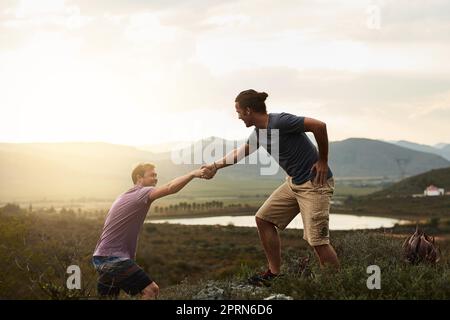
pixel 327 256
pixel 270 240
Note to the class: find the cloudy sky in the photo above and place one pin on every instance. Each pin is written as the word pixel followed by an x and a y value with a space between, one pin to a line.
pixel 145 72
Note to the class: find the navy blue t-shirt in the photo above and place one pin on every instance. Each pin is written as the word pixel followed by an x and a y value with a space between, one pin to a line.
pixel 296 153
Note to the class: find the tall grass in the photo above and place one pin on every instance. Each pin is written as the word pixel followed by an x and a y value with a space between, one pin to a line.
pixel 37 248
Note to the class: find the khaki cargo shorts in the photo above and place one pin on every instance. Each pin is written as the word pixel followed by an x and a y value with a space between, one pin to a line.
pixel 313 203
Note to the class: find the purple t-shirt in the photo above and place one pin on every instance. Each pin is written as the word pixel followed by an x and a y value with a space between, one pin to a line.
pixel 123 223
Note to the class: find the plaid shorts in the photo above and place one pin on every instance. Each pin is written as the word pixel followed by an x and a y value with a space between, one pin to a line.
pixel 117 273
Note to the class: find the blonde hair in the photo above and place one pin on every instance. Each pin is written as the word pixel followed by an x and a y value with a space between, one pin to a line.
pixel 140 169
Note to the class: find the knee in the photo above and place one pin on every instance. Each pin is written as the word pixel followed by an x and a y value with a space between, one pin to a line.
pixel 261 223
pixel 151 291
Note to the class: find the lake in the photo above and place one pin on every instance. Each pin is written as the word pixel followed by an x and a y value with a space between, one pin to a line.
pixel 337 221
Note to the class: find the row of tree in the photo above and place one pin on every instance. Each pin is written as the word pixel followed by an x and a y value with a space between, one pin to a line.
pixel 179 208
pixel 186 207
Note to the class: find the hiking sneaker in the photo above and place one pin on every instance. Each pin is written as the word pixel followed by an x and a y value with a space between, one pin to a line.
pixel 261 279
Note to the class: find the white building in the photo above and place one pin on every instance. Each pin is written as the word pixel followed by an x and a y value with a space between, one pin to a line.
pixel 431 191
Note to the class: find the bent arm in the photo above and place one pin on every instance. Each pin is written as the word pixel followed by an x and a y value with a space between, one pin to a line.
pixel 319 129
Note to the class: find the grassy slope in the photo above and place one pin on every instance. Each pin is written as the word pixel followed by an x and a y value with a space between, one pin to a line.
pixel 182 258
pixel 417 184
pixel 402 208
pixel 397 200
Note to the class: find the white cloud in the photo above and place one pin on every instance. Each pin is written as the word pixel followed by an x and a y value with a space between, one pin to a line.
pixel 223 53
pixel 45 13
pixel 176 60
pixel 146 27
pixel 27 8
pixel 228 21
pixel 434 104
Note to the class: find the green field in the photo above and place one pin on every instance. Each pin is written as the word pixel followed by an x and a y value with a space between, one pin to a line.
pixel 397 207
pixel 36 249
pixel 254 194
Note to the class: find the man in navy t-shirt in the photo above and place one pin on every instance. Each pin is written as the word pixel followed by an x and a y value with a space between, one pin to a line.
pixel 308 188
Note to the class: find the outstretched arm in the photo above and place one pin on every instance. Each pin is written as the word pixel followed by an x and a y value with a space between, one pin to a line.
pixel 177 184
pixel 231 158
pixel 319 129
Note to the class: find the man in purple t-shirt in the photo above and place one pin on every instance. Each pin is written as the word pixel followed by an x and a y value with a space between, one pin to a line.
pixel 116 250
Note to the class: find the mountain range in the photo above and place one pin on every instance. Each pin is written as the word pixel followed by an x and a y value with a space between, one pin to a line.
pixel 442 149
pixel 102 170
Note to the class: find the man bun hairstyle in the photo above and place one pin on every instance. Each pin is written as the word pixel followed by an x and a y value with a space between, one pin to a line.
pixel 252 99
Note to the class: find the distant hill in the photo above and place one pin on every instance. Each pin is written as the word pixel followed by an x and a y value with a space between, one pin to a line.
pixel 445 151
pixel 66 169
pixel 441 145
pixel 164 147
pixel 102 170
pixel 417 146
pixel 417 184
pixel 355 157
pixel 441 149
pixel 364 157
